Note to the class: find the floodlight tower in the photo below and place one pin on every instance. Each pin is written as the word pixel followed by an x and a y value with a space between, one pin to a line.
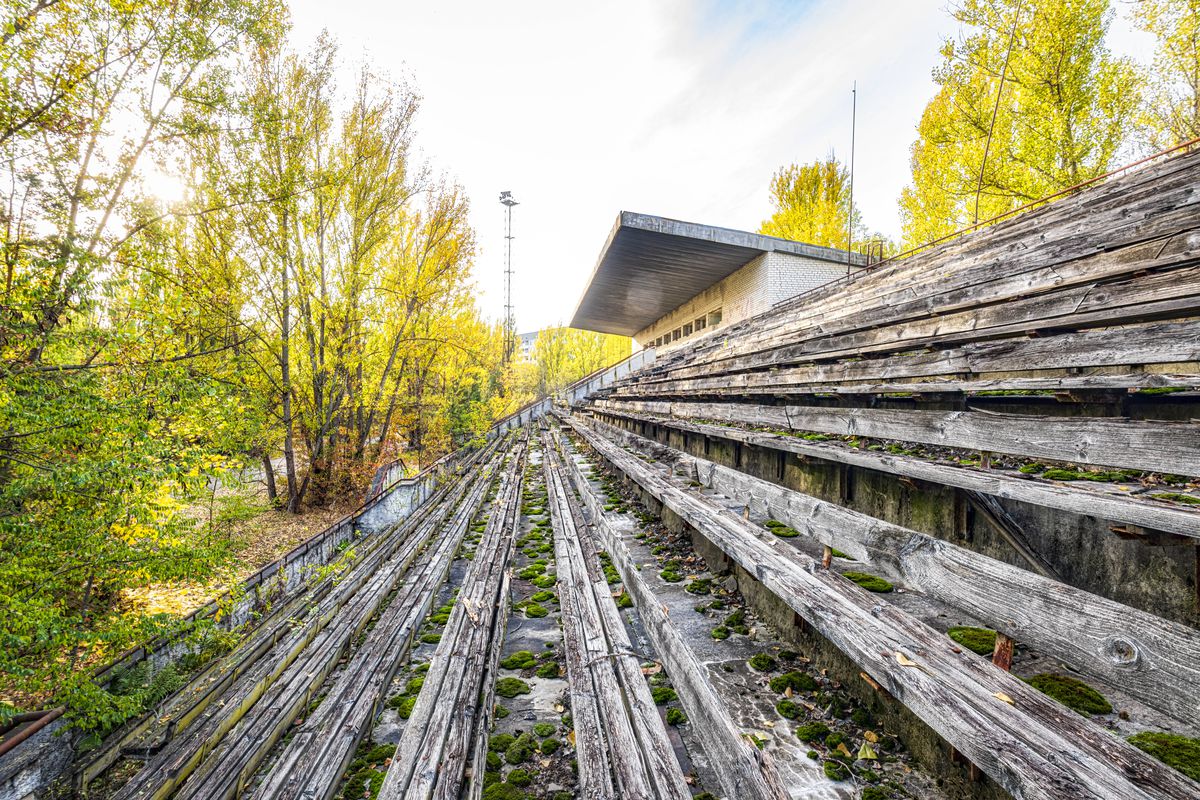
pixel 510 323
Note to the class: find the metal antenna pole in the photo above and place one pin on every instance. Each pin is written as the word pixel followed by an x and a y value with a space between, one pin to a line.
pixel 509 320
pixel 850 210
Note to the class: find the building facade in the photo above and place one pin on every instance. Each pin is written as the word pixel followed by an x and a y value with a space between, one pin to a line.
pixel 664 282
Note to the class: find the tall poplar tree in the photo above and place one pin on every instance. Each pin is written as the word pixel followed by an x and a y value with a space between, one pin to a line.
pixel 1030 101
pixel 1172 108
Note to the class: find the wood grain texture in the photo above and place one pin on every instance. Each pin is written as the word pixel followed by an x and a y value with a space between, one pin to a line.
pixel 1075 498
pixel 743 770
pixel 1033 747
pixel 1158 446
pixel 1151 659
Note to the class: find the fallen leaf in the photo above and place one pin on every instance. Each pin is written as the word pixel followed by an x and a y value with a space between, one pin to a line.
pixel 866 752
pixel 841 748
pixel 1003 697
pixel 905 661
pixel 871 736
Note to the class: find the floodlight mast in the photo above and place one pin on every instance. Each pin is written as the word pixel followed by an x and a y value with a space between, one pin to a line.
pixel 510 323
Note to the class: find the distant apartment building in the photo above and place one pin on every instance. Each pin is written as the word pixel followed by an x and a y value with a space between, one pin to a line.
pixel 664 282
pixel 528 340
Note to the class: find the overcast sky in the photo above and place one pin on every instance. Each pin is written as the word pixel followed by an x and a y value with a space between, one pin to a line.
pixel 666 107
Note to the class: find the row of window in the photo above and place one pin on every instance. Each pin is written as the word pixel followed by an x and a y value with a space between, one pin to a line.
pixel 697 325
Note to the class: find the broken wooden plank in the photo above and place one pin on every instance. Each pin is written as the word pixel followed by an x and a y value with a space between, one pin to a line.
pixel 1152 659
pixel 1077 499
pixel 1159 446
pixel 608 661
pixel 743 770
pixel 1032 746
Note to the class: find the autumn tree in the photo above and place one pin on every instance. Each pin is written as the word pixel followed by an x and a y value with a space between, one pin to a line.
pixel 1171 113
pixel 812 203
pixel 564 355
pixel 1030 101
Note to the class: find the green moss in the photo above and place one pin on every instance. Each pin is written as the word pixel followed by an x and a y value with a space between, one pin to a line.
pixel 1176 497
pixel 662 695
pixel 439 619
pixel 720 632
pixel 493 761
pixel 511 687
pixel 978 640
pixel 1072 693
pixel 542 596
pixel 544 729
pixel 699 586
pixel 839 554
pixel 780 529
pixel 503 791
pixel 548 670
pixel 872 583
pixel 1177 752
pixel 812 731
pixel 787 709
pixel 535 610
pixel 549 745
pixel 813 754
pixel 520 750
pixel 675 716
pixel 501 742
pixel 834 739
pixel 1109 476
pixel 431 638
pixel 761 662
pixel 836 770
pixel 364 783
pixel 501 712
pixel 861 717
pixel 532 571
pixel 544 582
pixel 875 793
pixel 736 618
pixel 624 601
pixel 1032 469
pixel 403 704
pixel 670 575
pixel 379 753
pixel 519 777
pixel 796 681
pixel 522 659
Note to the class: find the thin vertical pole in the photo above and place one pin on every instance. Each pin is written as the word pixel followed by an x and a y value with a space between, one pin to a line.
pixel 850 210
pixel 1012 36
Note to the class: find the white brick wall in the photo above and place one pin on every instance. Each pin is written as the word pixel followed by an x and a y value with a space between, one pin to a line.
pixel 766 281
pixel 791 275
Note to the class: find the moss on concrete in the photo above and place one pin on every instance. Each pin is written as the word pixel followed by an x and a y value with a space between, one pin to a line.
pixel 872 583
pixel 977 640
pixel 1071 692
pixel 1177 752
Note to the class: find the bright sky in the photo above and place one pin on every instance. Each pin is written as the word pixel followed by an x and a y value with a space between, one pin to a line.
pixel 668 107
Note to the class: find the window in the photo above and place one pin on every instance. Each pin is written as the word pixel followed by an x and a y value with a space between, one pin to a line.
pixel 714 317
pixel 699 323
pixel 676 334
pixel 658 342
pixel 687 329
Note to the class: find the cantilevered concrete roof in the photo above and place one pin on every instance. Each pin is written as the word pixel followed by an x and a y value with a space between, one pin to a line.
pixel 652 265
